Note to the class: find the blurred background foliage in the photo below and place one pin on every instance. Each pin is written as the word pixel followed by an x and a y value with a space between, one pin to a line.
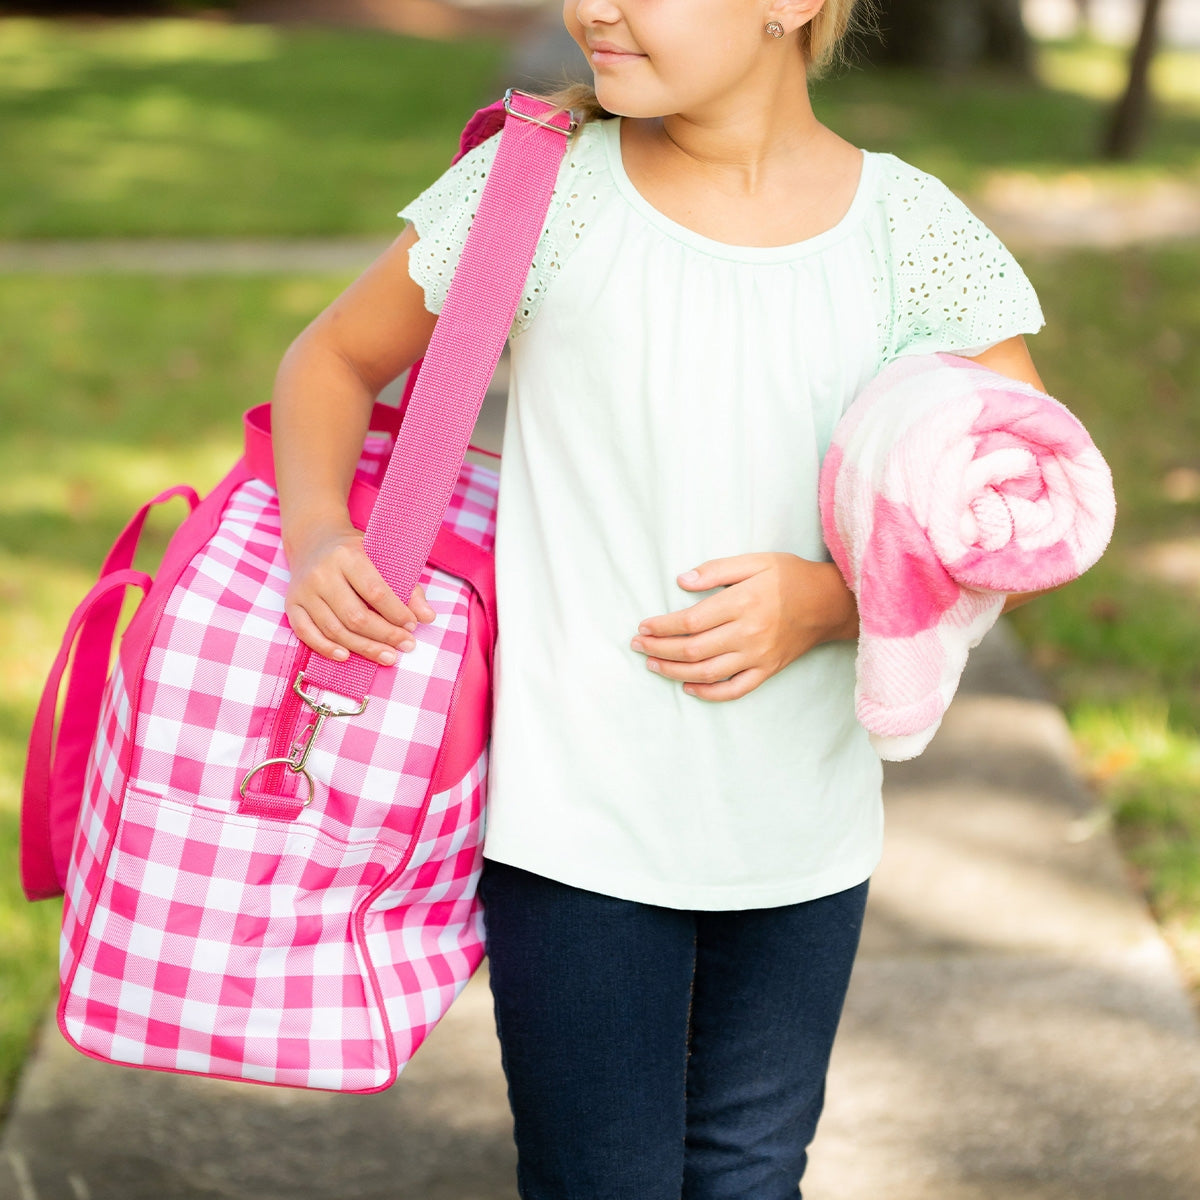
pixel 180 127
pixel 117 385
pixel 125 8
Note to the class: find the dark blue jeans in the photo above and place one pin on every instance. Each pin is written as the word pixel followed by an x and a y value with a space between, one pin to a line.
pixel 659 1054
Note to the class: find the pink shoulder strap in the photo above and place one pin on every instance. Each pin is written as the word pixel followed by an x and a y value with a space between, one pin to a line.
pixel 462 356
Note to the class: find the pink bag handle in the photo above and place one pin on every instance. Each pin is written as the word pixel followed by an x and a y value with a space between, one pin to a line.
pixel 81 709
pixel 56 765
pixel 45 840
pixel 462 356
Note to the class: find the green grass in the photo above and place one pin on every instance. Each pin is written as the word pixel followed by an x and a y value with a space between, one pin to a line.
pixel 114 388
pixel 180 127
pixel 1122 349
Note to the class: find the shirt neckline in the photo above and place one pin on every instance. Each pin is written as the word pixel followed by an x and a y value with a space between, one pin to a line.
pixel 758 254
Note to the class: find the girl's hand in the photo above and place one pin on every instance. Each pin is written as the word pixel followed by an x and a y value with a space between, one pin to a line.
pixel 337 602
pixel 774 608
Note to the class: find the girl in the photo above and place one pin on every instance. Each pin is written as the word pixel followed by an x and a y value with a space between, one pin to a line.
pixel 683 811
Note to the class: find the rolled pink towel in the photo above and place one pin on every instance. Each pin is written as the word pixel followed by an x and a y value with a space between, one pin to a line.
pixel 946 487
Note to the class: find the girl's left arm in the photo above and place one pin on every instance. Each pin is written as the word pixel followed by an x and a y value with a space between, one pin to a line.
pixel 773 607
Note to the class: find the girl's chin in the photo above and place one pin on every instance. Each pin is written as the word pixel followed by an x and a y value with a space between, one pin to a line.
pixel 624 102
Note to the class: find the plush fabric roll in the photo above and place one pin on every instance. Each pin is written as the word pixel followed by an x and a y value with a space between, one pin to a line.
pixel 946 487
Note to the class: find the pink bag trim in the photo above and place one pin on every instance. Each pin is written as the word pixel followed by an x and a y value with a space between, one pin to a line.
pixel 58 756
pixel 461 359
pixel 45 836
pixel 440 416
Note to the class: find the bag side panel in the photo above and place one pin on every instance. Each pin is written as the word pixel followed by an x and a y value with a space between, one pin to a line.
pixel 112 749
pixel 99 813
pixel 424 933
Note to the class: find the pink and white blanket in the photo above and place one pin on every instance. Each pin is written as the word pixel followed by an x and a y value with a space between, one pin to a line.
pixel 948 486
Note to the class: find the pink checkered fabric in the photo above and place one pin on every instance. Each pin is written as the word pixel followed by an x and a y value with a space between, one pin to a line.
pixel 315 952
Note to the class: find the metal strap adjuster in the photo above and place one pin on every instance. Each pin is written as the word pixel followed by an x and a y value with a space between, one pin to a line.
pixel 572 124
pixel 297 760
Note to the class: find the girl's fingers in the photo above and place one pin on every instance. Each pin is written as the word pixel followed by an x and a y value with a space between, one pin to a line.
pixel 687 649
pixel 340 604
pixel 700 617
pixel 733 688
pixel 722 572
pixel 421 607
pixel 356 604
pixel 371 595
pixel 710 670
pixel 352 627
pixel 306 630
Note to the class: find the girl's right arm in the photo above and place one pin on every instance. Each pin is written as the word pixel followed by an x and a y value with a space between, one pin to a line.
pixel 320 412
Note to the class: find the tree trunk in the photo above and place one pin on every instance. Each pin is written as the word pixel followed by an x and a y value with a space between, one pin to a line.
pixel 1127 126
pixel 952 36
pixel 1007 43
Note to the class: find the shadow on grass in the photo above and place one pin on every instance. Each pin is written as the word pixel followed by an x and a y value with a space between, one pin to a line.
pixel 185 127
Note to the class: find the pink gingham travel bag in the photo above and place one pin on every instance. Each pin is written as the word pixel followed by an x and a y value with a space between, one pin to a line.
pixel 269 859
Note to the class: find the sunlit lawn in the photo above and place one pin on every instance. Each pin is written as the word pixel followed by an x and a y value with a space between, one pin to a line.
pixel 192 127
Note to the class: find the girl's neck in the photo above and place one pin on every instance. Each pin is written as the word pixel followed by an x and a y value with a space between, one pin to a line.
pixel 742 137
pixel 744 172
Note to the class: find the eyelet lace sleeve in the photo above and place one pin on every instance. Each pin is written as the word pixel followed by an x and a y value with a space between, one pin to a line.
pixel 955 286
pixel 443 214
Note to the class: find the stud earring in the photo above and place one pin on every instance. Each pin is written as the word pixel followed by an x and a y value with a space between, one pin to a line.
pixel 775 29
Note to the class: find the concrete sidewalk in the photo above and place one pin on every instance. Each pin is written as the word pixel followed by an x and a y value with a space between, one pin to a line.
pixel 1016 1030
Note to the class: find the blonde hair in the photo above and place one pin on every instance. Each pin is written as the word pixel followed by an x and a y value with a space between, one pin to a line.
pixel 824 37
pixel 822 40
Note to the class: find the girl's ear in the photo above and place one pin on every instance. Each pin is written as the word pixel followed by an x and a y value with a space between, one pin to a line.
pixel 793 14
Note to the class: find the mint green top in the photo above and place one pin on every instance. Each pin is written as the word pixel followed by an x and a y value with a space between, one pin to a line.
pixel 672 397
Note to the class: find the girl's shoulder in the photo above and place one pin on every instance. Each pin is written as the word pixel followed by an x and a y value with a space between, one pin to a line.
pixel 585 151
pixel 911 200
pixel 953 284
pixel 443 214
